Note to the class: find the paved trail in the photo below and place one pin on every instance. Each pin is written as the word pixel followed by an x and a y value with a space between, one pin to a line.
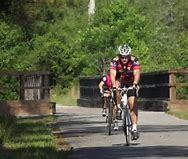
pixel 162 136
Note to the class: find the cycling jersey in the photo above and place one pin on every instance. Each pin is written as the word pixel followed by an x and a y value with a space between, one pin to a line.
pixel 107 81
pixel 125 72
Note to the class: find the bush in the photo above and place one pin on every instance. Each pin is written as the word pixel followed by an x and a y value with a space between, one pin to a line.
pixel 6 127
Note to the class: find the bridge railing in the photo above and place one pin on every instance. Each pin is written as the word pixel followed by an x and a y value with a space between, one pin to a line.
pixel 25 92
pixel 160 91
pixel 169 87
pixel 89 92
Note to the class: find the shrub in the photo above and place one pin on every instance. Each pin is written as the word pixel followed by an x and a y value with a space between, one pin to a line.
pixel 6 127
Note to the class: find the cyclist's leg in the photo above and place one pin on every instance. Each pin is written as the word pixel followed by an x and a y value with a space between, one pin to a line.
pixel 117 98
pixel 134 110
pixel 116 105
pixel 105 102
pixel 104 99
pixel 132 101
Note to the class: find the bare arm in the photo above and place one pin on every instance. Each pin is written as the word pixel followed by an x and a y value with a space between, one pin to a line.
pixel 113 77
pixel 136 76
pixel 101 86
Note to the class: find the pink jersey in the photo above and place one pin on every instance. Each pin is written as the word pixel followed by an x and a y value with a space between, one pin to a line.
pixel 125 72
pixel 107 81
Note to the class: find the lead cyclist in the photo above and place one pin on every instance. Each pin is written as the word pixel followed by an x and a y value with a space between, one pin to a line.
pixel 125 71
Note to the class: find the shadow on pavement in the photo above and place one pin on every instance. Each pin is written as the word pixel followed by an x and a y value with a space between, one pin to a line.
pixel 123 152
pixel 72 125
pixel 162 128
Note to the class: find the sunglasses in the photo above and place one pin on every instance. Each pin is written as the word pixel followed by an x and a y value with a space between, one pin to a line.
pixel 124 57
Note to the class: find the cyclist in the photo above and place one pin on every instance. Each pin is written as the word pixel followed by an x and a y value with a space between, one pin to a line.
pixel 104 86
pixel 125 71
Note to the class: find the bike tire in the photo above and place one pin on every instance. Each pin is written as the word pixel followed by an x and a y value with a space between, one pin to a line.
pixel 127 127
pixel 110 117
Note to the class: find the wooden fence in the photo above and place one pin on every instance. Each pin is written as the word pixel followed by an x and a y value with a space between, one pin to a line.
pixel 158 90
pixel 89 92
pixel 30 92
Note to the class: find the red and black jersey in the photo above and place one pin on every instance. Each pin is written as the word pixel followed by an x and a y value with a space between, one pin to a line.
pixel 125 72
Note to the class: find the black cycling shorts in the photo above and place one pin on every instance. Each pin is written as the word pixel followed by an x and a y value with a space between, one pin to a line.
pixel 131 92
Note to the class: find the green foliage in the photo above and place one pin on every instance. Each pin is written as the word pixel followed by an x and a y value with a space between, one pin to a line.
pixel 67 96
pixel 7 123
pixel 58 35
pixel 9 88
pixel 113 25
pixel 170 24
pixel 12 46
pixel 180 52
pixel 182 92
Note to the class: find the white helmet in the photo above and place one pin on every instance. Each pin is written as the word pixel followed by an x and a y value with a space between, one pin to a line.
pixel 124 50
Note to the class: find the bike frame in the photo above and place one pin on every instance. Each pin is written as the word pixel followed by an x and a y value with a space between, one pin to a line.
pixel 110 111
pixel 126 117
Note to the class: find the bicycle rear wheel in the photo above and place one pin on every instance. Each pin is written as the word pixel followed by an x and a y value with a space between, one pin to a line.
pixel 127 126
pixel 110 117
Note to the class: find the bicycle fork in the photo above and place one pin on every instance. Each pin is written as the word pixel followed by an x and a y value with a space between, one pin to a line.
pixel 126 116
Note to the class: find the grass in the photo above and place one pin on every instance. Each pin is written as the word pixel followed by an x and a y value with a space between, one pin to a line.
pixel 68 98
pixel 65 99
pixel 182 114
pixel 6 124
pixel 32 138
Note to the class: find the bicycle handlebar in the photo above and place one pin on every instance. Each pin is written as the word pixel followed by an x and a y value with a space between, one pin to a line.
pixel 124 89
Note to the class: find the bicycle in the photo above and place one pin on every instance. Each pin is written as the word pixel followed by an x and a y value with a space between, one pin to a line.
pixel 125 114
pixel 109 117
pixel 126 117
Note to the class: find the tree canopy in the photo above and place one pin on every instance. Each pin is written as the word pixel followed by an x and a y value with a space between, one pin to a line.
pixel 58 35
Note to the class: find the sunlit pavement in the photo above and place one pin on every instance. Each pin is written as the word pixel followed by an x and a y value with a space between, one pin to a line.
pixel 161 135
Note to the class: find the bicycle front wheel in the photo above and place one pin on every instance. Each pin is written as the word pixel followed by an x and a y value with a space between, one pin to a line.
pixel 127 126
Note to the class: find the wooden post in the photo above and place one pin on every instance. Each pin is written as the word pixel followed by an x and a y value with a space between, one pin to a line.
pixel 22 96
pixel 46 90
pixel 172 82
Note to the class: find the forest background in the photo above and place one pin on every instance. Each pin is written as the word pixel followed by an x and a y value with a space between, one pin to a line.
pixel 60 36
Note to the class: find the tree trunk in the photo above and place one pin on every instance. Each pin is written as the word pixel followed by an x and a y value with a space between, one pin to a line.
pixel 91 7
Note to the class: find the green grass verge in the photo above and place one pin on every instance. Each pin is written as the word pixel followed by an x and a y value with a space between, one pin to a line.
pixel 67 97
pixel 182 114
pixel 32 138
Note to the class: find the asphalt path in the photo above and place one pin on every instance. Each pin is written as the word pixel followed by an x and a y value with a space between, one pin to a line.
pixel 162 136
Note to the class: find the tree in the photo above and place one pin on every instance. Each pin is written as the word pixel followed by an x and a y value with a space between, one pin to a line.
pixel 91 7
pixel 113 25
